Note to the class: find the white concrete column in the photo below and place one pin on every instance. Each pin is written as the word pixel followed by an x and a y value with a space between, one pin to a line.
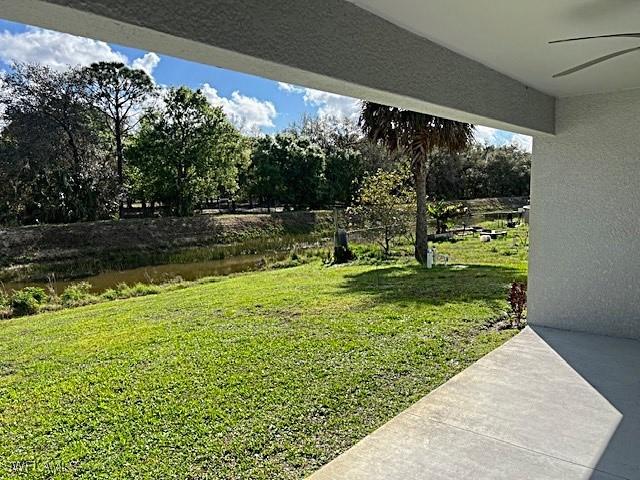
pixel 584 266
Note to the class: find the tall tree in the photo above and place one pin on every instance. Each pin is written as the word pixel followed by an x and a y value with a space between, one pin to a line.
pixel 119 92
pixel 187 151
pixel 479 172
pixel 328 132
pixel 55 165
pixel 343 173
pixel 418 135
pixel 265 177
pixel 287 168
pixel 349 154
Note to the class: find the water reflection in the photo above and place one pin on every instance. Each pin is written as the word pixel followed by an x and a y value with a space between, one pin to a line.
pixel 163 273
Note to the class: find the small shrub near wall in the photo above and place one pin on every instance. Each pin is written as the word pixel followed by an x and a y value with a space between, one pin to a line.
pixel 518 301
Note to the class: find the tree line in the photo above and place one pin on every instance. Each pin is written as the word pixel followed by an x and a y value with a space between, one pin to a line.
pixel 81 144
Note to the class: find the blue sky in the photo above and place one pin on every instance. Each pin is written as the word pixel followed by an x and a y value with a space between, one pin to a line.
pixel 254 104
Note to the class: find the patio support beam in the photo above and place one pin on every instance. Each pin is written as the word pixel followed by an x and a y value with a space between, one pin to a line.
pixel 331 45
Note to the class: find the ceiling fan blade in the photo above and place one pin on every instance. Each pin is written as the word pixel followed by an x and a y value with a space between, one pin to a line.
pixel 615 35
pixel 596 61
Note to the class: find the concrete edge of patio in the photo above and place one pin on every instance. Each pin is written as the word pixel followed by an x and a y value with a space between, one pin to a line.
pixel 547 404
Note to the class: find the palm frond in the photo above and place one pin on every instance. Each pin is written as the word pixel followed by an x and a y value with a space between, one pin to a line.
pixel 418 134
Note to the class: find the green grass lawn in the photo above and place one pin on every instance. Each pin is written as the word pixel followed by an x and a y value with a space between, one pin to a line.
pixel 262 375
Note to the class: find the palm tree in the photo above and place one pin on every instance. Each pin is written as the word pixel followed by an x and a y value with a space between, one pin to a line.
pixel 417 135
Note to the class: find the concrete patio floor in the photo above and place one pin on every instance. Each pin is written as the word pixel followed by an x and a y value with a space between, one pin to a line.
pixel 549 404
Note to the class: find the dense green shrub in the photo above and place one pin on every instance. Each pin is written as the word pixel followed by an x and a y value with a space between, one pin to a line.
pixel 77 294
pixel 28 301
pixel 142 289
pixel 122 290
pixel 109 294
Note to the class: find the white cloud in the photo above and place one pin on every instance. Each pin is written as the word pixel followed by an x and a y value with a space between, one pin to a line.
pixel 146 63
pixel 493 136
pixel 329 104
pixel 332 105
pixel 247 113
pixel 525 142
pixel 57 50
pixel 486 135
pixel 288 87
pixel 61 50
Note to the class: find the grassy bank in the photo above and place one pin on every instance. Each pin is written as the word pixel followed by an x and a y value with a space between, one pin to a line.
pixel 262 375
pixel 84 249
pixel 39 253
pixel 484 205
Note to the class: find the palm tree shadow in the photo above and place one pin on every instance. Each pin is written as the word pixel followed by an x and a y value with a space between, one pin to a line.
pixel 414 284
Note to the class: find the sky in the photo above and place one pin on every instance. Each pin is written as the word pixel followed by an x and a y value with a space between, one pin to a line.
pixel 253 104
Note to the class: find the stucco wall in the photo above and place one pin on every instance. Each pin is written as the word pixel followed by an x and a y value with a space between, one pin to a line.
pixel 585 218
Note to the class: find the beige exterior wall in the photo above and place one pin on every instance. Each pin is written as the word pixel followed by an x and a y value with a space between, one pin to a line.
pixel 585 223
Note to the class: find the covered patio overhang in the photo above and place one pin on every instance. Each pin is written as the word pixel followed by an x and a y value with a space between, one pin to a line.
pixel 556 403
pixel 331 45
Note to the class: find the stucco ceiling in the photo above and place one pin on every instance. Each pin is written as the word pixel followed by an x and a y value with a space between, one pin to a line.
pixel 511 36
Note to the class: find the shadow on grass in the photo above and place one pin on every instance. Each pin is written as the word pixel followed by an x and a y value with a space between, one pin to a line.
pixel 437 286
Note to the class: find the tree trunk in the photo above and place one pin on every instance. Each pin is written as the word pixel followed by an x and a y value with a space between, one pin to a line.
pixel 119 154
pixel 386 241
pixel 120 164
pixel 422 243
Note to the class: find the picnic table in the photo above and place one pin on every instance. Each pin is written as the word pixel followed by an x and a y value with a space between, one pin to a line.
pixel 494 233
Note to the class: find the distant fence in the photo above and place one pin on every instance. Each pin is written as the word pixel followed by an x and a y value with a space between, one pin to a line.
pixel 137 209
pixel 480 209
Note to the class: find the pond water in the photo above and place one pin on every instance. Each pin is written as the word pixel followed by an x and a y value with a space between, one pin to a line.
pixel 158 274
pixel 276 250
